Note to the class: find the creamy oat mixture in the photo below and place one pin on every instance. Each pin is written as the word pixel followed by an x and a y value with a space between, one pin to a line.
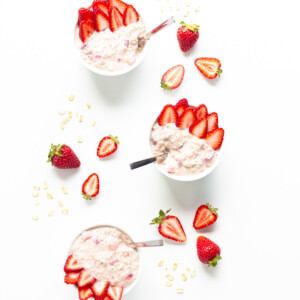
pixel 104 253
pixel 186 153
pixel 112 51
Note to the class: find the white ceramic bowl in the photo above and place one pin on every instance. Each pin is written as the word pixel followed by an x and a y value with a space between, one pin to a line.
pixel 129 288
pixel 111 73
pixel 191 177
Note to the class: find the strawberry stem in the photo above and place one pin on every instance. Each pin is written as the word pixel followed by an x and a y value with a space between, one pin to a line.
pixel 219 71
pixel 214 261
pixel 115 139
pixel 160 218
pixel 86 197
pixel 54 150
pixel 192 27
pixel 165 86
pixel 212 209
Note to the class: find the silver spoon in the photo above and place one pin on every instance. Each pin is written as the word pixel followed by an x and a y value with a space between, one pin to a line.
pixel 154 243
pixel 145 162
pixel 142 39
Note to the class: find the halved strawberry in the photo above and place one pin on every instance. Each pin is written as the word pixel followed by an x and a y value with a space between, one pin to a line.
pixel 72 265
pixel 99 4
pixel 212 121
pixel 84 14
pixel 107 146
pixel 72 277
pixel 169 226
pixel 215 138
pixel 115 292
pixel 90 187
pixel 120 5
pixel 199 128
pixel 186 119
pixel 172 78
pixel 115 18
pixel 101 21
pixel 99 289
pixel 85 279
pixel 130 15
pixel 201 111
pixel 86 29
pixel 85 293
pixel 205 216
pixel 209 67
pixel 167 115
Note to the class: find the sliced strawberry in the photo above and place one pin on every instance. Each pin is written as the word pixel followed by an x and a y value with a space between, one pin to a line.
pixel 99 289
pixel 130 15
pixel 169 226
pixel 186 119
pixel 167 115
pixel 212 121
pixel 84 14
pixel 86 29
pixel 90 187
pixel 99 4
pixel 115 19
pixel 180 110
pixel 115 292
pixel 172 78
pixel 199 128
pixel 71 265
pixel 209 67
pixel 120 5
pixel 107 146
pixel 182 102
pixel 201 111
pixel 215 138
pixel 72 277
pixel 85 279
pixel 205 216
pixel 101 21
pixel 85 293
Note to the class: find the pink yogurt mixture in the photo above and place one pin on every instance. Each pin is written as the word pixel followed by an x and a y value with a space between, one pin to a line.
pixel 105 254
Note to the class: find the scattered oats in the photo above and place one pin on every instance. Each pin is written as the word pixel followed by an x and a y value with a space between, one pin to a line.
pixel 35 194
pixel 64 189
pixel 37 202
pixel 65 211
pixel 166 268
pixel 179 291
pixel 188 269
pixel 66 120
pixel 62 112
pixel 45 185
pixel 168 283
pixel 62 126
pixel 35 218
pixel 51 213
pixel 178 8
pixel 197 9
pixel 80 118
pixel 70 115
pixel 193 274
pixel 94 124
pixel 174 267
pixel 160 263
pixel 49 196
pixel 183 277
pixel 60 204
pixel 79 139
pixel 88 104
pixel 76 114
pixel 71 97
pixel 188 4
pixel 170 277
pixel 36 188
pixel 186 14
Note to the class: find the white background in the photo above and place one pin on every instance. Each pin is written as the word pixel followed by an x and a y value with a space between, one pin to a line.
pixel 255 187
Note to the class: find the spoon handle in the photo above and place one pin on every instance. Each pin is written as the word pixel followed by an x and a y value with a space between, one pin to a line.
pixel 159 27
pixel 143 162
pixel 154 243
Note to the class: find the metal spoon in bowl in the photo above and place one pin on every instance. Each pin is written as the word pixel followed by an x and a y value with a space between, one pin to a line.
pixel 154 243
pixel 142 39
pixel 145 162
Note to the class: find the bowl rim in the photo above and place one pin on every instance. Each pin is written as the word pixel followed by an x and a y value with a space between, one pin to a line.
pixel 130 287
pixel 139 59
pixel 189 177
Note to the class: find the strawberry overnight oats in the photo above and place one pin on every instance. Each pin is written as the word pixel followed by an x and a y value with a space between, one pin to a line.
pixel 105 254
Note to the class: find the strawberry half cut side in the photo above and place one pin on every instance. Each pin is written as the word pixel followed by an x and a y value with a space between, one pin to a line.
pixel 72 265
pixel 120 5
pixel 130 15
pixel 186 119
pixel 99 289
pixel 85 293
pixel 107 146
pixel 209 67
pixel 85 279
pixel 86 29
pixel 205 216
pixel 215 138
pixel 90 187
pixel 101 21
pixel 167 115
pixel 72 277
pixel 115 292
pixel 99 4
pixel 199 128
pixel 172 78
pixel 212 121
pixel 169 226
pixel 201 111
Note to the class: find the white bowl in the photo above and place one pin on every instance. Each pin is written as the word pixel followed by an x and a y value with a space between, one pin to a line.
pixel 129 288
pixel 190 177
pixel 111 73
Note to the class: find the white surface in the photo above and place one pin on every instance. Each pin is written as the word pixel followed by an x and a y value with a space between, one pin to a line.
pixel 255 187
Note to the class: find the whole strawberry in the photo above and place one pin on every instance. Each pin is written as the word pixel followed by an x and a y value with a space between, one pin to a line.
pixel 208 252
pixel 63 157
pixel 187 36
